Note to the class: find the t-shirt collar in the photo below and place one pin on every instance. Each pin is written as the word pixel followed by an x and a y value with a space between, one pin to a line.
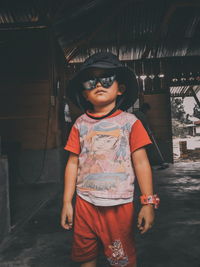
pixel 117 112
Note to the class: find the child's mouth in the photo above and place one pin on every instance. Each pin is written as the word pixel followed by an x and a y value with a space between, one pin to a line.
pixel 100 92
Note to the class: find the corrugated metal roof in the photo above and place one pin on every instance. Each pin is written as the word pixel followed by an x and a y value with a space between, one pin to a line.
pixel 133 29
pixel 141 29
pixel 183 91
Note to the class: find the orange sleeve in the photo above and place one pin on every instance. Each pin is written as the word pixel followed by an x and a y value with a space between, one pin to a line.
pixel 138 136
pixel 73 143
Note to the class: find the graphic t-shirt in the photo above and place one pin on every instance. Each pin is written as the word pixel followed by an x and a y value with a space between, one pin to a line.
pixel 105 172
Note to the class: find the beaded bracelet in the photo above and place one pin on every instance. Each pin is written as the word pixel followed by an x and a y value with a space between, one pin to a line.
pixel 150 199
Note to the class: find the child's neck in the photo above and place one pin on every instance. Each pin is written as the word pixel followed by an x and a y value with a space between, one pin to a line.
pixel 102 110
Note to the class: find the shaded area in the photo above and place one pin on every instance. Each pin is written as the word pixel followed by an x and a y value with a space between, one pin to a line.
pixel 174 239
pixel 28 197
pixel 156 28
pixel 172 242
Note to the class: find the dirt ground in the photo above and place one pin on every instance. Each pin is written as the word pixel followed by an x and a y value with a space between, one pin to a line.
pixel 192 143
pixel 172 242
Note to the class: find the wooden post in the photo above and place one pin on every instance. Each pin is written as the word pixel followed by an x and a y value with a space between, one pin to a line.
pixel 183 149
pixel 4 199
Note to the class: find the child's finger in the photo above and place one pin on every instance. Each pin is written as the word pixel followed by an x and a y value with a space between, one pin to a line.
pixel 146 227
pixel 64 224
pixel 70 220
pixel 67 226
pixel 139 221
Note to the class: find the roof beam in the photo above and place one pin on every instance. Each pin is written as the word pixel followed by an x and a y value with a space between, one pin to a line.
pixel 23 26
pixel 161 32
pixel 194 95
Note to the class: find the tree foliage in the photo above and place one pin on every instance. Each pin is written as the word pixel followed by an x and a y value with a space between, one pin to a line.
pixel 196 111
pixel 177 109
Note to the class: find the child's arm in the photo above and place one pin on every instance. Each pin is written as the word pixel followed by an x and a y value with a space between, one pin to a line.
pixel 69 189
pixel 144 176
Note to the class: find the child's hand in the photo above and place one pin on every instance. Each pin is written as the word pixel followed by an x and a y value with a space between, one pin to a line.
pixel 67 216
pixel 145 218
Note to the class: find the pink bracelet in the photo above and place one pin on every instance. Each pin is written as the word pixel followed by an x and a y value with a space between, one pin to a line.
pixel 150 199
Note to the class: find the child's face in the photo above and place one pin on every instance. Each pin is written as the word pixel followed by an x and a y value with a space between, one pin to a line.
pixel 100 96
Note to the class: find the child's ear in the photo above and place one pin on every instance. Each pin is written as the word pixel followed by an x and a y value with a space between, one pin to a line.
pixel 122 89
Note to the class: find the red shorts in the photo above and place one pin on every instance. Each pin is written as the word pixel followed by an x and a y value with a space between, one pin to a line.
pixel 110 226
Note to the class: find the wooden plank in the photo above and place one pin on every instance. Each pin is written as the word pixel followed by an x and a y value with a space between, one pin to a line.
pixel 40 87
pixel 21 105
pixel 31 140
pixel 31 134
pixel 26 54
pixel 4 199
pixel 22 117
pixel 31 124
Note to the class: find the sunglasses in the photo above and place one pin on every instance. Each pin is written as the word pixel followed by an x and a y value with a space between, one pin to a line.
pixel 106 82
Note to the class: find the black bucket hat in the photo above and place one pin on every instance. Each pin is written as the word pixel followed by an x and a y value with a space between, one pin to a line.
pixel 105 60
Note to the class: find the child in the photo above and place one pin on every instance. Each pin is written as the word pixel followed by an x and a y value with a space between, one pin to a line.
pixel 107 150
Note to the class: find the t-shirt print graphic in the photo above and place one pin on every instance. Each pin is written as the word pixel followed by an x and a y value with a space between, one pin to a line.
pixel 105 170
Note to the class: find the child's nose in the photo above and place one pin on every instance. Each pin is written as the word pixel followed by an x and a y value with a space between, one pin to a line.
pixel 98 84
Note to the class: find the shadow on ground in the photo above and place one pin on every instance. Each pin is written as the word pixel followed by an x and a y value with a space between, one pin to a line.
pixel 172 242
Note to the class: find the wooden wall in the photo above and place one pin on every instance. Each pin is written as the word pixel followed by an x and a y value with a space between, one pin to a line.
pixel 159 117
pixel 31 64
pixel 24 112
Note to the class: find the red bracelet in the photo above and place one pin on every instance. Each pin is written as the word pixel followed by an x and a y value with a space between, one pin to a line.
pixel 150 199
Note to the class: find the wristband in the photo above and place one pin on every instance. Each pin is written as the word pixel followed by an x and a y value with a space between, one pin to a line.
pixel 150 199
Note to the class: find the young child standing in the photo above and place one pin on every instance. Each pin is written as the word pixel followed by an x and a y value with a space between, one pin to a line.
pixel 107 151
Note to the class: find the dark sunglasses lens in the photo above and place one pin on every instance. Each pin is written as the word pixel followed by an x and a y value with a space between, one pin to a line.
pixel 107 81
pixel 90 84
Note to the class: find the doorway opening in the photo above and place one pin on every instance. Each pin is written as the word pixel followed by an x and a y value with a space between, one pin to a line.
pixel 185 114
